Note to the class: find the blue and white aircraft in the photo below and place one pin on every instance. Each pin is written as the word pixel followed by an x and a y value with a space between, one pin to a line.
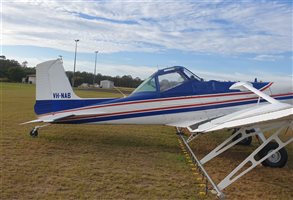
pixel 176 97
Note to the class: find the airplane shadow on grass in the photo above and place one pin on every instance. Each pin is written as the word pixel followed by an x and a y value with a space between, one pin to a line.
pixel 114 139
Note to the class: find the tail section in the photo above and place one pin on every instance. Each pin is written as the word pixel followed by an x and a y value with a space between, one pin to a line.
pixel 52 82
pixel 53 90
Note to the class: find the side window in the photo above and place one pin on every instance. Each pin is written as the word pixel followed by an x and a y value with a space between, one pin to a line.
pixel 168 81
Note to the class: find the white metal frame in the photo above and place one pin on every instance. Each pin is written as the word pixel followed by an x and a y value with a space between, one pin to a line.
pixel 228 143
pixel 230 178
pixel 192 137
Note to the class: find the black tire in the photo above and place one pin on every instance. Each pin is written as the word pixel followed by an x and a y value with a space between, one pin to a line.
pixel 246 141
pixel 34 133
pixel 277 160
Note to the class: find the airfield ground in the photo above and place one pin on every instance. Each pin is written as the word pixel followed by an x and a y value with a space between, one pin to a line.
pixel 115 162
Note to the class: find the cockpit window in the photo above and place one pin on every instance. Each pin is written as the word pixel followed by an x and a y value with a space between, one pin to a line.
pixel 149 85
pixel 191 75
pixel 170 80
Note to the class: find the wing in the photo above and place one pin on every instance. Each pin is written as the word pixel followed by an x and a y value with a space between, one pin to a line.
pixel 273 112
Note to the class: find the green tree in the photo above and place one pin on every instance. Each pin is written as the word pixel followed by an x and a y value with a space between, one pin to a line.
pixel 16 74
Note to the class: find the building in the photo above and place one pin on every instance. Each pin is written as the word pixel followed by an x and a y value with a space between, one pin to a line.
pixel 31 79
pixel 84 85
pixel 106 84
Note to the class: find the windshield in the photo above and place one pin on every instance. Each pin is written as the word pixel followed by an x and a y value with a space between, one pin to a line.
pixel 149 85
pixel 166 79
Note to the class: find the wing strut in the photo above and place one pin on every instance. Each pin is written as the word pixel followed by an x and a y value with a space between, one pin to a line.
pixel 244 86
pixel 254 159
pixel 202 169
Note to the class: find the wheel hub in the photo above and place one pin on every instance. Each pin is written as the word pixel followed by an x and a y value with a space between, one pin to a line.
pixel 276 157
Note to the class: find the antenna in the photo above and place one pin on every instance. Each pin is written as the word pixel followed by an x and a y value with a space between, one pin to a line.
pixel 120 92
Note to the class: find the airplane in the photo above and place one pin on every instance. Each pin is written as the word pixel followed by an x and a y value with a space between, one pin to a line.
pixel 177 97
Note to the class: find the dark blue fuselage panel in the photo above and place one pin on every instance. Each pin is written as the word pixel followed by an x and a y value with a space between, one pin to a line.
pixel 48 106
pixel 187 88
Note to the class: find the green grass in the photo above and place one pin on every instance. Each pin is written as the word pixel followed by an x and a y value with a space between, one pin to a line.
pixel 114 161
pixel 86 161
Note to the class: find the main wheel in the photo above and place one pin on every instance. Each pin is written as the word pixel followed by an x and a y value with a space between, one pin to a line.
pixel 246 141
pixel 34 133
pixel 277 160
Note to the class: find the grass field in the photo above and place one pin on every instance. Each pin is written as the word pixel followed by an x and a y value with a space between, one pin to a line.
pixel 115 162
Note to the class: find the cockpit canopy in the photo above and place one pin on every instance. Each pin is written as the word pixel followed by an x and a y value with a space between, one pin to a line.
pixel 178 81
pixel 166 79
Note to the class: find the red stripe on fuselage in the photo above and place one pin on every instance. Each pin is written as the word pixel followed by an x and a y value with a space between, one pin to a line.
pixel 165 108
pixel 156 100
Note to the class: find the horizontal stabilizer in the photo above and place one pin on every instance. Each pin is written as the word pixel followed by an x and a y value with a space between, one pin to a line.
pixel 32 121
pixel 55 117
pixel 50 118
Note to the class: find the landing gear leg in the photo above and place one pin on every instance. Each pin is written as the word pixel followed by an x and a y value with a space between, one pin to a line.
pixel 34 132
pixel 246 141
pixel 179 131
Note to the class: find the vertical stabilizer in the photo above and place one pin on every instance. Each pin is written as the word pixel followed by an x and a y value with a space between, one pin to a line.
pixel 52 82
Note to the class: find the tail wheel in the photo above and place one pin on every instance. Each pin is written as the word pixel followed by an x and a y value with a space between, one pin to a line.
pixel 246 141
pixel 34 133
pixel 277 160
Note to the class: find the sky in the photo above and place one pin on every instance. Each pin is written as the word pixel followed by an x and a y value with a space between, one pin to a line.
pixel 221 40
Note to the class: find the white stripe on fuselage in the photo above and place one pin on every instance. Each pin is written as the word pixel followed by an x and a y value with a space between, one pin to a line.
pixel 169 118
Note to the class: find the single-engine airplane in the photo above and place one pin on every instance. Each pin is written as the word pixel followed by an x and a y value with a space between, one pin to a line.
pixel 176 97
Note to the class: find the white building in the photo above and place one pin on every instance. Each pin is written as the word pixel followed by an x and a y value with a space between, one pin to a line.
pixel 31 79
pixel 106 84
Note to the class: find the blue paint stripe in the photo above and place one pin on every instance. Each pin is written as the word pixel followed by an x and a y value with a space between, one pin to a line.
pixel 284 98
pixel 165 112
pixel 47 106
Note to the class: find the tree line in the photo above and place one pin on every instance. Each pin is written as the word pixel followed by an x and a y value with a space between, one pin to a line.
pixel 13 71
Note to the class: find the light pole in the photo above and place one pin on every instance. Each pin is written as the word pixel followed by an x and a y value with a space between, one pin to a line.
pixel 96 52
pixel 74 62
